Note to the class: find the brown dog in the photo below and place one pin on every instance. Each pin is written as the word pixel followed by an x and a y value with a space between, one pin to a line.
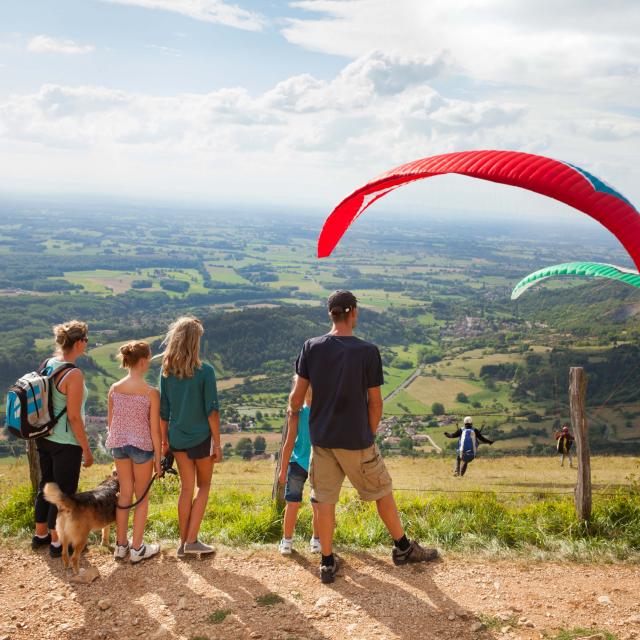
pixel 81 513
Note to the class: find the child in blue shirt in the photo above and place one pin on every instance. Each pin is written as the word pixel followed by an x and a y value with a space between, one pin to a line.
pixel 294 471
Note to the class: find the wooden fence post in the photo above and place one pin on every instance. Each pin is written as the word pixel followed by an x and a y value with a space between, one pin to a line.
pixel 34 465
pixel 577 399
pixel 277 492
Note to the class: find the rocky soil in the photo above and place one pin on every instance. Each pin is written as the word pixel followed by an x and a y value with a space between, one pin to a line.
pixel 255 593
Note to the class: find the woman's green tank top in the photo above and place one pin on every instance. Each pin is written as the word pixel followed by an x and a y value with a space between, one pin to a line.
pixel 62 432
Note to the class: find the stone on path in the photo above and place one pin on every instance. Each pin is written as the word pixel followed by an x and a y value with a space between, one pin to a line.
pixel 104 604
pixel 86 576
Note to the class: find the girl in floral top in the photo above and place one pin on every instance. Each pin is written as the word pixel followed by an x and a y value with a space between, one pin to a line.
pixel 135 442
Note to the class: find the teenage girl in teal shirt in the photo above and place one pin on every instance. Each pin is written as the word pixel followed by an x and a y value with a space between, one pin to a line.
pixel 190 425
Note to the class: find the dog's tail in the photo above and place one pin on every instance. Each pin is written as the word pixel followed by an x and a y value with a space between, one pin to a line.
pixel 54 495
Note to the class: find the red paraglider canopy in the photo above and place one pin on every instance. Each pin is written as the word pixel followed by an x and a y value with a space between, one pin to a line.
pixel 559 180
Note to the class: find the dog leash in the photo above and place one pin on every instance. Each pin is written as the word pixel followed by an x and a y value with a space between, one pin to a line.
pixel 166 465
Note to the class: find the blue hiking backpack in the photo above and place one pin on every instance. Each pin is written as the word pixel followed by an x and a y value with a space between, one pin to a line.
pixel 29 411
pixel 467 445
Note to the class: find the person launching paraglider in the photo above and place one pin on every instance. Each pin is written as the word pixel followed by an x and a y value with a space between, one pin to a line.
pixel 564 442
pixel 467 444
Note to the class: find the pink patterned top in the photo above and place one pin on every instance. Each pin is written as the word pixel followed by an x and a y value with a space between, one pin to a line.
pixel 130 422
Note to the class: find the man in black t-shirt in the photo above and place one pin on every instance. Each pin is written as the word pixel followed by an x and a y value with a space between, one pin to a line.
pixel 345 373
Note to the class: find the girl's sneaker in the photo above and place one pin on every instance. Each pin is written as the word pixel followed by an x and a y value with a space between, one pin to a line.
pixel 198 547
pixel 121 550
pixel 143 553
pixel 286 546
pixel 314 545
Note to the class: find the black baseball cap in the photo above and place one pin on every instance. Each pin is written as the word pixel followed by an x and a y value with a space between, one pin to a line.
pixel 341 302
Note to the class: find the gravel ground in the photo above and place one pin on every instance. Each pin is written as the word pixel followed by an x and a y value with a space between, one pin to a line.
pixel 255 593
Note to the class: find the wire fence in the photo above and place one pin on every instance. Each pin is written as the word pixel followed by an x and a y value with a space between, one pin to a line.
pixel 533 492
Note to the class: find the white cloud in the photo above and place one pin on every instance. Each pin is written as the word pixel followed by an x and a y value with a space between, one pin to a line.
pixel 310 138
pixel 609 129
pixel 575 46
pixel 375 75
pixel 215 11
pixel 364 102
pixel 47 44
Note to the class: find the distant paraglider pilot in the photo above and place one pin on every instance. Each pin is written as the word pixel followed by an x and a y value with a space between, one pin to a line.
pixel 467 444
pixel 564 443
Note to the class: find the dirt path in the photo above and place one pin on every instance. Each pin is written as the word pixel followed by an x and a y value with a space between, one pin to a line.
pixel 167 598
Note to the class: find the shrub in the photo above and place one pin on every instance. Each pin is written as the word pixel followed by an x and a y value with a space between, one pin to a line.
pixel 141 284
pixel 178 286
pixel 259 445
pixel 437 409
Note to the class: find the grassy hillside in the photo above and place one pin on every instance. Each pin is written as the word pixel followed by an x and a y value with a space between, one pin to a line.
pixel 513 505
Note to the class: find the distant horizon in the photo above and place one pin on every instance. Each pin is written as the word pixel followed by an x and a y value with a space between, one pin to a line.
pixel 541 228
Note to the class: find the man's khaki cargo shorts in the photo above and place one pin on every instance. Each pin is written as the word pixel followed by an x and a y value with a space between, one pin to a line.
pixel 365 469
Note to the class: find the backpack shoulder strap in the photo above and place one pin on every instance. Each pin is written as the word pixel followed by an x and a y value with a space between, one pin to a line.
pixel 61 372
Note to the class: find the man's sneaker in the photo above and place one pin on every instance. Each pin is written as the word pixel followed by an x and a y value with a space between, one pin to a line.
pixel 286 546
pixel 197 547
pixel 37 541
pixel 180 551
pixel 314 545
pixel 415 553
pixel 144 552
pixel 121 550
pixel 328 574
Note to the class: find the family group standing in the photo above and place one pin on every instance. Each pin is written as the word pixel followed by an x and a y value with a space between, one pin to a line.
pixel 331 435
pixel 143 423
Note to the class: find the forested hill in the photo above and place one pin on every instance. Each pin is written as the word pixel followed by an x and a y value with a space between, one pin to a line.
pixel 589 309
pixel 263 340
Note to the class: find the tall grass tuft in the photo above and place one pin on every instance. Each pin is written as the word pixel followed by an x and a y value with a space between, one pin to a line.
pixel 16 512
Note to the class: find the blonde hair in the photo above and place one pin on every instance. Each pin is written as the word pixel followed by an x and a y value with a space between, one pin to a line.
pixel 182 348
pixel 68 333
pixel 131 353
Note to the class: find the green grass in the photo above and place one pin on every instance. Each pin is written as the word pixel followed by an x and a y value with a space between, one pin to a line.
pixel 392 407
pixel 468 523
pixel 218 616
pixel 225 274
pixel 579 632
pixel 269 599
pixel 492 622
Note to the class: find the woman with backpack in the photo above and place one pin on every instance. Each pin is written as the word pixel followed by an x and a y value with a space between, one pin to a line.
pixel 190 424
pixel 62 452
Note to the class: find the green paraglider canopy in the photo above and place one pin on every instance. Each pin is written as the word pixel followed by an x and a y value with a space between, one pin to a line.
pixel 578 269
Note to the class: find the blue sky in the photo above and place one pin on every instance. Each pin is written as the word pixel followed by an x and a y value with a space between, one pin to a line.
pixel 155 51
pixel 300 102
